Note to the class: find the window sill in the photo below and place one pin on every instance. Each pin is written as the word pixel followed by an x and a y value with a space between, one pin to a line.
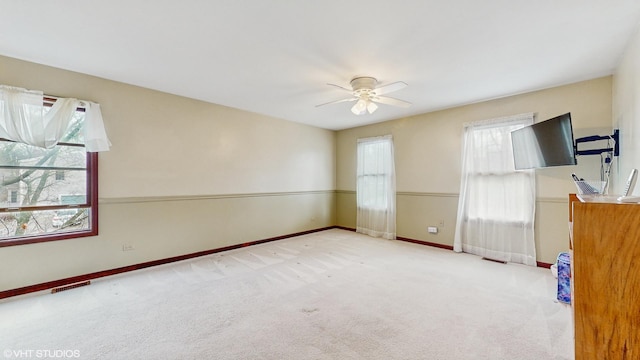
pixel 46 238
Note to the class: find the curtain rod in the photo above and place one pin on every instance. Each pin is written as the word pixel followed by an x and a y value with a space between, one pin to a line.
pixel 53 98
pixel 46 97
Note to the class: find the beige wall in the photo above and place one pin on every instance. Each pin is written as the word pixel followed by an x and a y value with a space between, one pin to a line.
pixel 182 176
pixel 626 110
pixel 428 153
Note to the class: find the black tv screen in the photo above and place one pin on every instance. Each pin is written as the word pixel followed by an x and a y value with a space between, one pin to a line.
pixel 544 144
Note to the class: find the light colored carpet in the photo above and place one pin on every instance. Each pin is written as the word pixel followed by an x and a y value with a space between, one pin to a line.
pixel 333 294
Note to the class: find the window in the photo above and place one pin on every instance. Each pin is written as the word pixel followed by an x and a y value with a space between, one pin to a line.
pixel 373 174
pixel 494 186
pixel 57 187
pixel 496 208
pixel 375 187
pixel 13 196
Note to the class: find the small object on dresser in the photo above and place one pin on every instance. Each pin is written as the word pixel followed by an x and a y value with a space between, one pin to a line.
pixel 629 199
pixel 590 187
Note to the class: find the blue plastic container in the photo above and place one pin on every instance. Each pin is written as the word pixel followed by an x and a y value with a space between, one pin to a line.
pixel 564 278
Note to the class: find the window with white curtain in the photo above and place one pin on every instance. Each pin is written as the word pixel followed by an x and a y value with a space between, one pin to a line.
pixel 48 208
pixel 48 166
pixel 376 187
pixel 496 208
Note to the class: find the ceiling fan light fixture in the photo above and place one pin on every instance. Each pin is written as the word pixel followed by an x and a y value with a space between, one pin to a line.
pixel 367 95
pixel 371 107
pixel 360 107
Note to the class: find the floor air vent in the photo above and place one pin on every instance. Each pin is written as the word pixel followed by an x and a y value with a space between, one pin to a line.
pixel 69 287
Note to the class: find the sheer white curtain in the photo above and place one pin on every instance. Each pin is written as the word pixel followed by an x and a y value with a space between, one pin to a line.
pixel 376 187
pixel 496 208
pixel 95 136
pixel 24 119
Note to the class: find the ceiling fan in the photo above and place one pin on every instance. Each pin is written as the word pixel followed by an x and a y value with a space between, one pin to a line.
pixel 364 91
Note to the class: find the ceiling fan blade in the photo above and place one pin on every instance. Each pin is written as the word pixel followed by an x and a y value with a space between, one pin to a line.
pixel 390 101
pixel 395 86
pixel 340 87
pixel 338 101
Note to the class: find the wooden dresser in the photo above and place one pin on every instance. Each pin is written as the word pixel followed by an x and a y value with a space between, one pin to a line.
pixel 605 265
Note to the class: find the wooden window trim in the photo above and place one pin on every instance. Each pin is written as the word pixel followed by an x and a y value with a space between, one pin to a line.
pixel 92 203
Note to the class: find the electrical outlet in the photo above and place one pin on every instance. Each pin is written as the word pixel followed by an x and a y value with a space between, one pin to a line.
pixel 127 247
pixel 432 230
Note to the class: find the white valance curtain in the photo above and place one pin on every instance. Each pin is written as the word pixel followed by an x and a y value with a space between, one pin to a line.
pixel 496 208
pixel 24 119
pixel 376 188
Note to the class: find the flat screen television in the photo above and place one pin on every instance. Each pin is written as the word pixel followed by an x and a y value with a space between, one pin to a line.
pixel 544 144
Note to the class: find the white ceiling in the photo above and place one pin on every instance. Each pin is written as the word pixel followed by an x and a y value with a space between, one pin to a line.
pixel 274 57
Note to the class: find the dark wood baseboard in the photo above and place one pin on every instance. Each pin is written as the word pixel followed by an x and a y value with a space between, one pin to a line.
pixel 543 264
pixel 421 242
pixel 86 277
pixel 344 228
